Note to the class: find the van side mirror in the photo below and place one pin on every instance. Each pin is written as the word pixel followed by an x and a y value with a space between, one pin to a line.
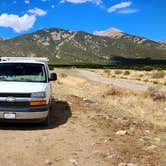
pixel 53 77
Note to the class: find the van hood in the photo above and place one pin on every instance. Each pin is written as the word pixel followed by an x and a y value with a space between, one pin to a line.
pixel 21 87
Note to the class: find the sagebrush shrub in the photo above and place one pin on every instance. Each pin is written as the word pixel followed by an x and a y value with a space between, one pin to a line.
pixel 158 74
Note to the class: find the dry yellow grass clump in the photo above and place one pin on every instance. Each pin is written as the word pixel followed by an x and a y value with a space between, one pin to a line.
pixel 154 76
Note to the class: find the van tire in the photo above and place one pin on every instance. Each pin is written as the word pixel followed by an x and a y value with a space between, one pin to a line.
pixel 47 121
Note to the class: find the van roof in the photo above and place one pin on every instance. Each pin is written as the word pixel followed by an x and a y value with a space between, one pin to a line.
pixel 28 61
pixel 24 59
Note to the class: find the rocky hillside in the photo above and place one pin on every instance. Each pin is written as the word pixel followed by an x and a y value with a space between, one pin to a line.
pixel 64 46
pixel 1 39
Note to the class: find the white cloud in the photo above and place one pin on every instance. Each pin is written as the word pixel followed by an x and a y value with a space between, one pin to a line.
pixel 21 23
pixel 37 12
pixel 98 2
pixel 128 11
pixel 119 6
pixel 27 1
pixel 17 23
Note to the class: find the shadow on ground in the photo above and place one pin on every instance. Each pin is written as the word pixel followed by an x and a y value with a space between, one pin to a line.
pixel 60 113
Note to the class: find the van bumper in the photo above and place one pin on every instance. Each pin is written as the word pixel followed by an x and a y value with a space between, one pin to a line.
pixel 27 114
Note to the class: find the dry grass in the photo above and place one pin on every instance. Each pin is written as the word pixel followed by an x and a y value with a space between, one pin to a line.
pixel 137 106
pixel 156 77
pixel 155 93
pixel 127 102
pixel 116 109
pixel 112 92
pixel 63 75
pixel 158 74
pixel 107 72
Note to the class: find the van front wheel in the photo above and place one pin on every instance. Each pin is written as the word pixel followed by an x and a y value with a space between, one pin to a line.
pixel 46 122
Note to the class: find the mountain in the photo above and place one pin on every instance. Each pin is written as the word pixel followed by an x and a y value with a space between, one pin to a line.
pixel 1 39
pixel 112 33
pixel 70 47
pixel 118 34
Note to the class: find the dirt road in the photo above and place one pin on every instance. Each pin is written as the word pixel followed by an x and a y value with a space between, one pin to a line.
pixel 86 118
pixel 123 83
pixel 70 140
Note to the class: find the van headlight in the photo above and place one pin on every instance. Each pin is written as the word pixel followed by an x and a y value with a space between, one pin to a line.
pixel 38 95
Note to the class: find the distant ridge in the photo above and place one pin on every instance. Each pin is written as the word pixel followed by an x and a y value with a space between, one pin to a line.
pixel 78 47
pixel 1 39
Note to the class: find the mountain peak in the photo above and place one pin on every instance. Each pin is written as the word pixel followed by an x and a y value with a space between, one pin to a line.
pixel 112 32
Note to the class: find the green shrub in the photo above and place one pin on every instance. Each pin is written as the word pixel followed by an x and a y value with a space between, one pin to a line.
pixel 158 96
pixel 155 82
pixel 107 72
pixel 126 72
pixel 118 72
pixel 51 67
pixel 146 80
pixel 155 94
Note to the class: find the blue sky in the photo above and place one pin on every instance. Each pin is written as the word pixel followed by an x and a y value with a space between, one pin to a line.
pixel 140 17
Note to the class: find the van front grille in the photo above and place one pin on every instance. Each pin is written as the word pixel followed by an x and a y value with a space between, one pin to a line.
pixel 21 95
pixel 13 104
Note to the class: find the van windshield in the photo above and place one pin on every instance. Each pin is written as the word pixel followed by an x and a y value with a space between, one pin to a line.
pixel 22 72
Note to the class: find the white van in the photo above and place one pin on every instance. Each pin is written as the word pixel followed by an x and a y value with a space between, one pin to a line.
pixel 25 92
